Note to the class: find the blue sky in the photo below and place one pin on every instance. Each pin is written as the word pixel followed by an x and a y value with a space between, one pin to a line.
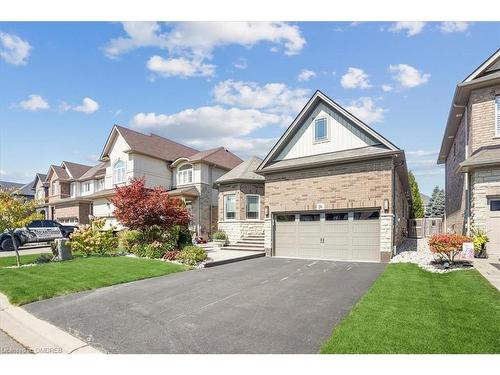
pixel 63 85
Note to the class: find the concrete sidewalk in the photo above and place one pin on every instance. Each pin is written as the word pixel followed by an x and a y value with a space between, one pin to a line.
pixel 27 251
pixel 490 272
pixel 38 335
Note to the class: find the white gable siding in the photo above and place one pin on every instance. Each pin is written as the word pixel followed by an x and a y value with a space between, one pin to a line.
pixel 117 152
pixel 342 136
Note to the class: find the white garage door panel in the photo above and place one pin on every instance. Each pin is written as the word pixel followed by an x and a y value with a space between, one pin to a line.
pixel 286 237
pixel 328 239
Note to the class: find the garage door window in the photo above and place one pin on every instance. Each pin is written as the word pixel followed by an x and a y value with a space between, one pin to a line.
pixel 495 205
pixel 309 217
pixel 366 215
pixel 336 216
pixel 285 218
pixel 230 207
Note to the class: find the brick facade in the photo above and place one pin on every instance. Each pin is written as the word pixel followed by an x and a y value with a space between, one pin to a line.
pixel 482 118
pixel 454 184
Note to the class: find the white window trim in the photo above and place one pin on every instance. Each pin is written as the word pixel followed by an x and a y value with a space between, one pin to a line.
pixel 72 189
pixel 258 206
pixel 185 173
pixel 224 203
pixel 84 184
pixel 327 139
pixel 497 116
pixel 115 182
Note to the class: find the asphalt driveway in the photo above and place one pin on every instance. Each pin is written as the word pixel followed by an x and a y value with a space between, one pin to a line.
pixel 264 305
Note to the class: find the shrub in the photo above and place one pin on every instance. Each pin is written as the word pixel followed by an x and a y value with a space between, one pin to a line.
pixel 91 239
pixel 219 236
pixel 447 246
pixel 44 258
pixel 480 239
pixel 128 238
pixel 191 255
pixel 171 255
pixel 156 250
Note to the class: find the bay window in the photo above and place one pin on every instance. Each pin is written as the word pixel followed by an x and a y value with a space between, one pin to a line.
pixel 119 172
pixel 252 207
pixel 185 174
pixel 230 207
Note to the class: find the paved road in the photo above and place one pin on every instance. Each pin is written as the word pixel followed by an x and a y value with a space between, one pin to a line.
pixel 264 305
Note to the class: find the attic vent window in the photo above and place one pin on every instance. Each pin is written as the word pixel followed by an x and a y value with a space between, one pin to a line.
pixel 320 130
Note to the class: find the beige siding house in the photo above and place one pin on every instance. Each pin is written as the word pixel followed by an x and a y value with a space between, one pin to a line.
pixel 185 172
pixel 332 187
pixel 470 150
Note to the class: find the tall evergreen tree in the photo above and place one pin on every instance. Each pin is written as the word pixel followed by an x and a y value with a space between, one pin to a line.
pixel 435 208
pixel 417 206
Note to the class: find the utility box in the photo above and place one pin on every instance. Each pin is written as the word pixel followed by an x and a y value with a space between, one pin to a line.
pixel 63 250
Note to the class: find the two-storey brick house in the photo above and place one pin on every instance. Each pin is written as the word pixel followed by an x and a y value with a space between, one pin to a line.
pixel 470 150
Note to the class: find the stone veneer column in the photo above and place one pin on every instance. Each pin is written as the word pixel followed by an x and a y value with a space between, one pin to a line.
pixel 485 182
pixel 267 236
pixel 386 229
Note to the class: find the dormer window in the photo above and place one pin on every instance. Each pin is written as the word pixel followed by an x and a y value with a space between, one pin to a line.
pixel 119 172
pixel 185 174
pixel 320 129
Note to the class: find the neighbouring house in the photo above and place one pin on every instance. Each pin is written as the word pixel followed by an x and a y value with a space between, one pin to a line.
pixel 41 191
pixel 23 191
pixel 470 151
pixel 333 188
pixel 185 172
pixel 64 205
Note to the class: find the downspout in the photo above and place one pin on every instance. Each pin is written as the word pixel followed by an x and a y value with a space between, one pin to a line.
pixel 466 174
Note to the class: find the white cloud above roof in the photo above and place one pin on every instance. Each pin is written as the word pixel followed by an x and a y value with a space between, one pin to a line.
pixel 366 110
pixel 34 103
pixel 355 78
pixel 408 76
pixel 13 49
pixel 411 28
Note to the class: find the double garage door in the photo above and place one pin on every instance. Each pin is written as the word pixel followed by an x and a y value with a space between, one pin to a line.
pixel 352 235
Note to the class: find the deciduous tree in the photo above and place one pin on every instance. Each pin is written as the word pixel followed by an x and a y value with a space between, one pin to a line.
pixel 138 207
pixel 16 213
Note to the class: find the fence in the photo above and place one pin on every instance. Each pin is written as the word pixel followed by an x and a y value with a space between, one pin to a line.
pixel 420 228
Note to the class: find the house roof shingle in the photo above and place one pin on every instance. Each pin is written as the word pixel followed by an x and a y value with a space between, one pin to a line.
pixel 484 157
pixel 219 156
pixel 7 185
pixel 243 172
pixel 96 171
pixel 154 145
pixel 76 170
pixel 60 172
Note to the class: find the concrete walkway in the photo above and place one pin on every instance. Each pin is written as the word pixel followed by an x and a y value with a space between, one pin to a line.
pixel 218 257
pixel 490 272
pixel 10 346
pixel 37 335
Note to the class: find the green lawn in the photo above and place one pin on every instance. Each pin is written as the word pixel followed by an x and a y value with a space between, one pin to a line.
pixel 409 310
pixel 28 284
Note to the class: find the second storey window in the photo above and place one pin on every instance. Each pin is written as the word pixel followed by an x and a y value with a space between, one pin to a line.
pixel 86 187
pixel 229 207
pixel 72 189
pixel 119 172
pixel 320 130
pixel 185 174
pixel 99 184
pixel 54 188
pixel 497 116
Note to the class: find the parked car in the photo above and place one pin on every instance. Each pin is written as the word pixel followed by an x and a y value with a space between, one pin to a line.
pixel 36 231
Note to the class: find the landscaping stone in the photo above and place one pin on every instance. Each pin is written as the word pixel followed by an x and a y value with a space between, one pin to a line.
pixel 417 251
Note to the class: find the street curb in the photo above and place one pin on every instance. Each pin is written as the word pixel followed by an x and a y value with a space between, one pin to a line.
pixel 38 335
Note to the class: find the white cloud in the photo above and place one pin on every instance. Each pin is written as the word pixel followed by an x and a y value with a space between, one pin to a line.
pixel 355 78
pixel 88 106
pixel 2 172
pixel 454 27
pixel 366 110
pixel 206 122
pixel 411 28
pixel 244 147
pixel 195 42
pixel 241 63
pixel 13 49
pixel 181 67
pixel 419 153
pixel 274 97
pixel 408 76
pixel 386 88
pixel 305 75
pixel 34 103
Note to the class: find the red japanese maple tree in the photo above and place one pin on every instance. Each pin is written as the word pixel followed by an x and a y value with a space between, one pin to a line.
pixel 138 207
